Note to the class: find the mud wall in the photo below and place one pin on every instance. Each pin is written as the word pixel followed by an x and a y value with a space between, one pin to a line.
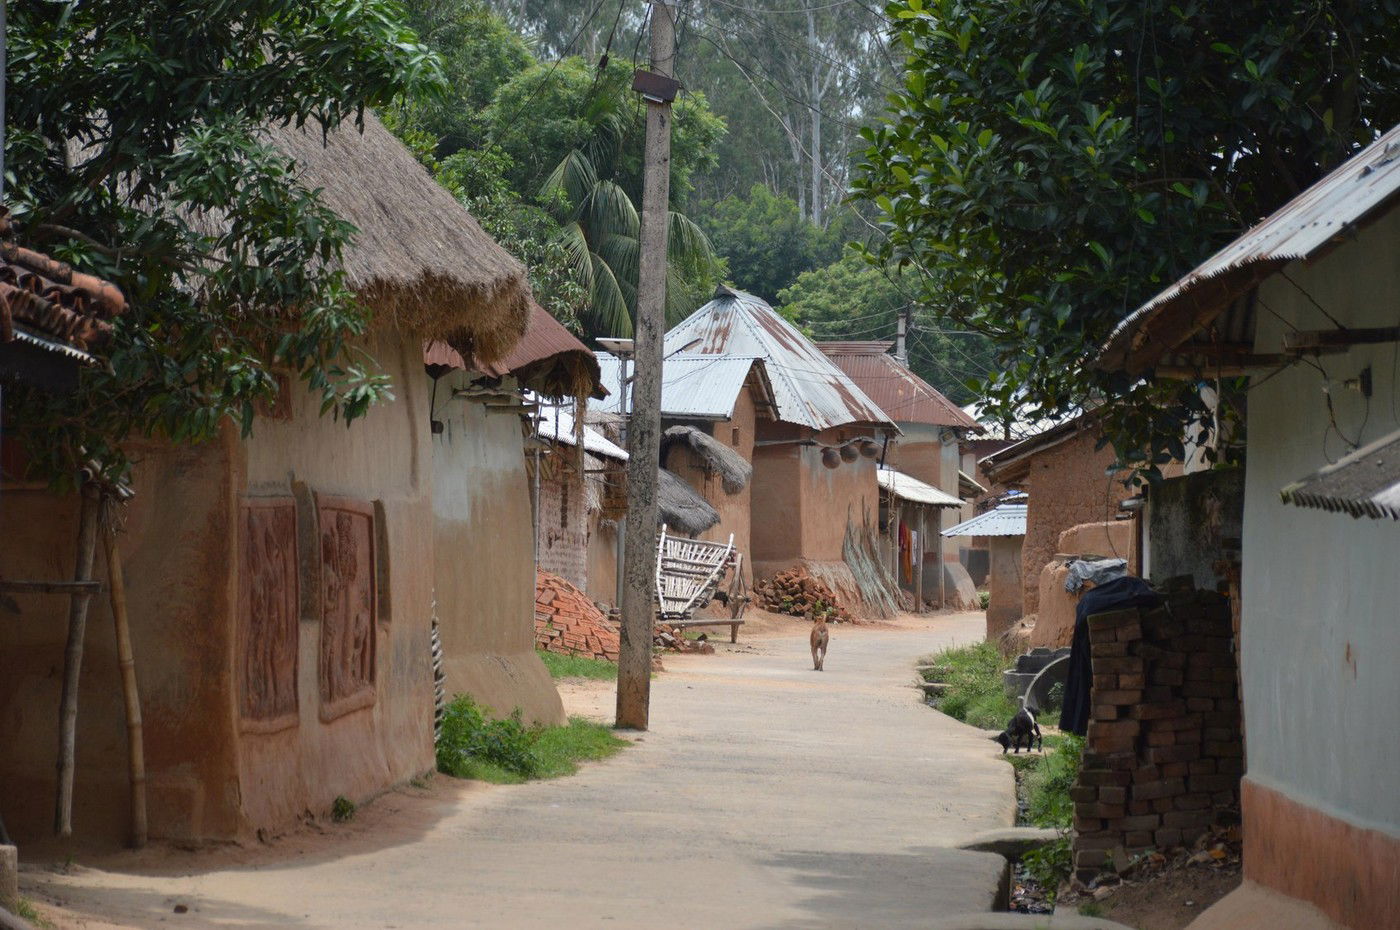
pixel 1003 585
pixel 1191 520
pixel 178 544
pixel 484 566
pixel 563 516
pixel 362 497
pixel 1068 485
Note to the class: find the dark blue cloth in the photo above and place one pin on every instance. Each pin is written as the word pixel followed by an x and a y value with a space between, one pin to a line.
pixel 1118 594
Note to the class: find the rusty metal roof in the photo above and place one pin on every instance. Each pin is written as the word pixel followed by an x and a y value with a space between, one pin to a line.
pixel 1002 520
pixel 694 387
pixel 1365 483
pixel 915 491
pixel 808 388
pixel 903 395
pixel 548 358
pixel 1320 216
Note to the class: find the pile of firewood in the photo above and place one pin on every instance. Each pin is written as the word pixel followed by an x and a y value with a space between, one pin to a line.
pixel 673 637
pixel 801 595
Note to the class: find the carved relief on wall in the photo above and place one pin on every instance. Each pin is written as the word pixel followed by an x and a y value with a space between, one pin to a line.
pixel 348 601
pixel 268 610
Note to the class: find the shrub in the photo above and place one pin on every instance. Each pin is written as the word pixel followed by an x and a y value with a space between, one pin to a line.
pixel 1050 865
pixel 342 809
pixel 984 598
pixel 472 744
pixel 1048 803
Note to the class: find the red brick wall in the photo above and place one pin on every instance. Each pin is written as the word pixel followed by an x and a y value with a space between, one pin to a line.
pixel 1164 751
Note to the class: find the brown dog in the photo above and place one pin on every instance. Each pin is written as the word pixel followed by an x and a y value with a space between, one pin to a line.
pixel 820 637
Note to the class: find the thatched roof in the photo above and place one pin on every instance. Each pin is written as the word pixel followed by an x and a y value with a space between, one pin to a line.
pixel 420 260
pixel 680 507
pixel 733 469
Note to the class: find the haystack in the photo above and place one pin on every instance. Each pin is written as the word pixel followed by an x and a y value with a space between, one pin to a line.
pixel 419 259
pixel 715 456
pixel 680 507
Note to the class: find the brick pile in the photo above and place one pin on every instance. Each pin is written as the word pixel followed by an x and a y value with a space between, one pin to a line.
pixel 1163 754
pixel 567 622
pixel 797 593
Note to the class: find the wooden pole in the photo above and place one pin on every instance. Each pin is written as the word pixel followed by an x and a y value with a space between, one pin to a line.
pixel 135 750
pixel 644 428
pixel 73 662
pixel 919 561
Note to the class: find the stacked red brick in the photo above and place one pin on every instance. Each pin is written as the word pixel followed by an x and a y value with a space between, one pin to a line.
pixel 566 621
pixel 1163 753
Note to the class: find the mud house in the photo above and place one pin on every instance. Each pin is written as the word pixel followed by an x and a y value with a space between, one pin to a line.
pixel 928 450
pixel 484 496
pixel 280 588
pixel 1069 484
pixel 1004 528
pixel 911 513
pixel 711 410
pixel 814 498
pixel 1308 299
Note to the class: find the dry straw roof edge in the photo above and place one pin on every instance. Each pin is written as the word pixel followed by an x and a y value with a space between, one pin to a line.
pixel 419 259
pixel 680 507
pixel 732 468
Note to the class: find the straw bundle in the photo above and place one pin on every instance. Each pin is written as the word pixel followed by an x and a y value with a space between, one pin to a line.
pixel 717 458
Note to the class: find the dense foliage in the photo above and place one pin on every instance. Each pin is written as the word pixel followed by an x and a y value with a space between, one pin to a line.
pixel 133 154
pixel 853 299
pixel 1049 164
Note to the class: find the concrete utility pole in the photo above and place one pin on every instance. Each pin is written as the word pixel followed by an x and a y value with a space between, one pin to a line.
pixel 644 429
pixel 901 331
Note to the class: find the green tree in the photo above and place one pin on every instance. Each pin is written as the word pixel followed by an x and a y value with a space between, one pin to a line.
pixel 480 52
pixel 128 123
pixel 1050 164
pixel 852 299
pixel 580 150
pixel 765 240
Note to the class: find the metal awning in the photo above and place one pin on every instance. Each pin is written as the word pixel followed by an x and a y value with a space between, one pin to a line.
pixel 1365 483
pixel 1005 520
pixel 914 490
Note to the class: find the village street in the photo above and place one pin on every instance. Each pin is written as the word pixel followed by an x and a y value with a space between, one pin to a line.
pixel 765 795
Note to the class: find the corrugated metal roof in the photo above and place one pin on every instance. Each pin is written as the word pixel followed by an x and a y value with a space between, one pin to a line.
pixel 1365 483
pixel 692 387
pixel 1004 520
pixel 1308 223
pixel 912 489
pixel 903 395
pixel 557 425
pixel 808 389
pixel 547 353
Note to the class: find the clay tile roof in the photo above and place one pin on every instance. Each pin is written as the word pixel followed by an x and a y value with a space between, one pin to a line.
pixel 903 395
pixel 46 303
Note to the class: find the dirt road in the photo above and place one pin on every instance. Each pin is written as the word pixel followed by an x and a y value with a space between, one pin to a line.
pixel 766 795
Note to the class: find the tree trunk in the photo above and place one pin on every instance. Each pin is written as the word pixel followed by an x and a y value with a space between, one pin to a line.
pixel 73 663
pixel 135 748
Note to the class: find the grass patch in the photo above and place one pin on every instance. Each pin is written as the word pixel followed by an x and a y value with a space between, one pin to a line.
pixel 505 751
pixel 1048 803
pixel 975 694
pixel 25 908
pixel 343 809
pixel 575 666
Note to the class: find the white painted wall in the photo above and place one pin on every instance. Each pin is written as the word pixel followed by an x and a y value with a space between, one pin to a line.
pixel 1321 591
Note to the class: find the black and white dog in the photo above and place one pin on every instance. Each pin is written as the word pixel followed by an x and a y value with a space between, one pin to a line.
pixel 1021 730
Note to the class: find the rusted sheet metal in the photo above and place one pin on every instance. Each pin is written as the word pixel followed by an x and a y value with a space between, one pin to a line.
pixel 912 489
pixel 807 388
pixel 1318 217
pixel 903 395
pixel 692 387
pixel 545 340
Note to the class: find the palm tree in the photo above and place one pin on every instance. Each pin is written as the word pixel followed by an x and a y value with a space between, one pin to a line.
pixel 601 231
